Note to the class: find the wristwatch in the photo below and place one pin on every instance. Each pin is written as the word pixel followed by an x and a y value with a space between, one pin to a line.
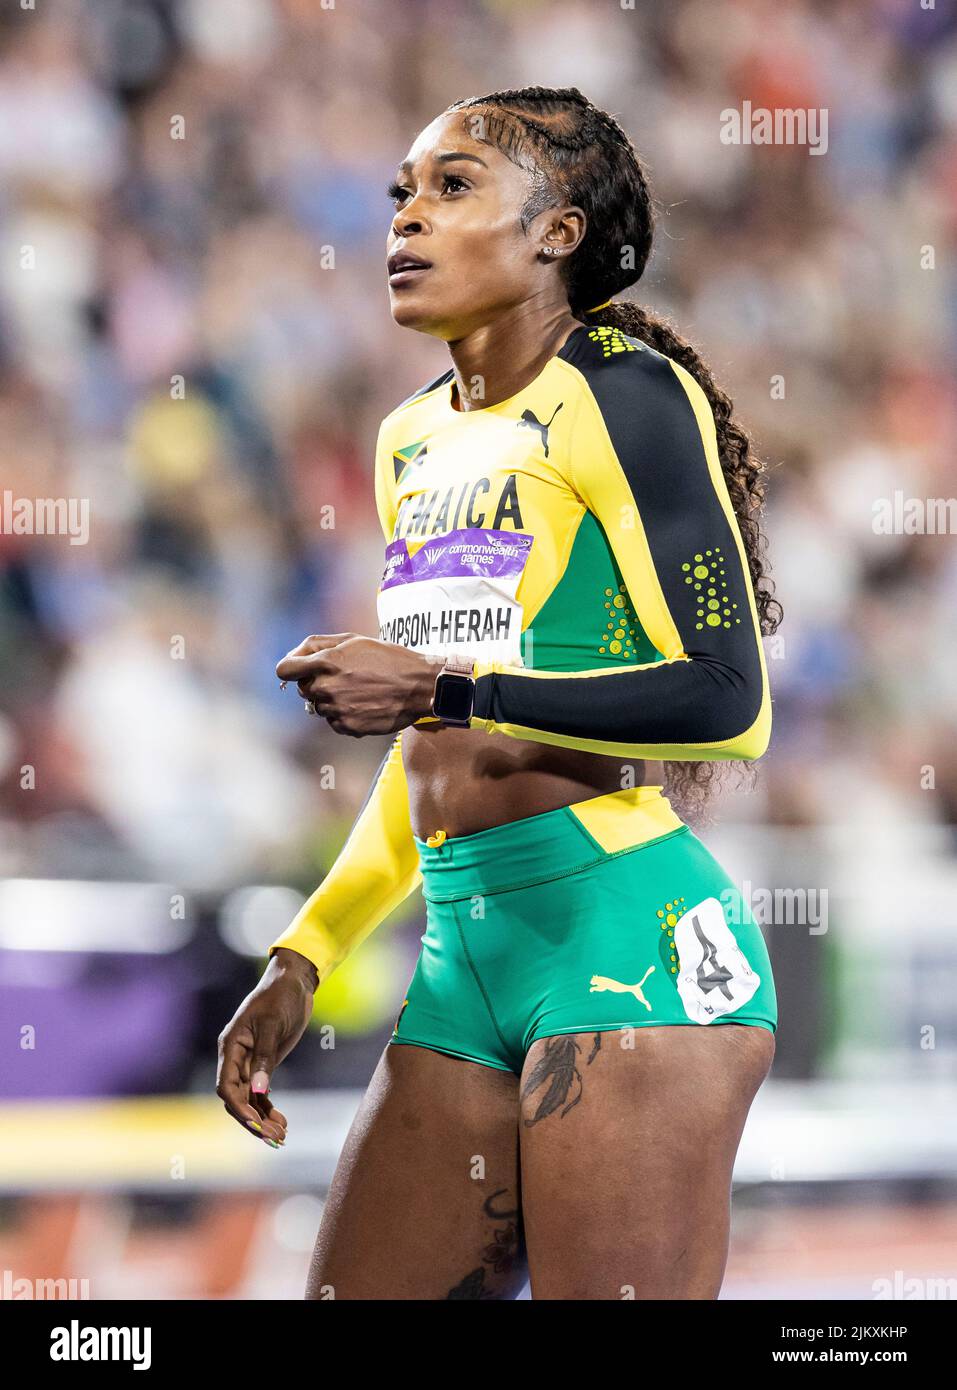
pixel 454 696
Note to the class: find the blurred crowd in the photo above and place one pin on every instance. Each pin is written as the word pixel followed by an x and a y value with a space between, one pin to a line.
pixel 195 335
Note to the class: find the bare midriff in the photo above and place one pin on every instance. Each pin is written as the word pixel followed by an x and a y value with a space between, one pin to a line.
pixel 464 780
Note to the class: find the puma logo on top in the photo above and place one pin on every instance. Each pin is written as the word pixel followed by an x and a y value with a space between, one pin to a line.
pixel 530 419
pixel 599 983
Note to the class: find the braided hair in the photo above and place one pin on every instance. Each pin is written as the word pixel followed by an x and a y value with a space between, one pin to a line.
pixel 577 154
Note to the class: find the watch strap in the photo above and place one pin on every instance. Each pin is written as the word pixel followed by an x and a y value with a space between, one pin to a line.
pixel 458 666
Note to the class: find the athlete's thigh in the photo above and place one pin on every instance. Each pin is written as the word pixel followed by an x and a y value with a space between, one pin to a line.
pixel 628 1142
pixel 425 1201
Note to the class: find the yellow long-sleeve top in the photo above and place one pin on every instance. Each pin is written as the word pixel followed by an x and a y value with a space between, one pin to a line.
pixel 577 540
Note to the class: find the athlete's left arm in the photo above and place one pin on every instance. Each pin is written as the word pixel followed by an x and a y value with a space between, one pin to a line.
pixel 644 460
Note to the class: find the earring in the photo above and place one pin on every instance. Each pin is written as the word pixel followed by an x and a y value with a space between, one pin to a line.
pixel 552 251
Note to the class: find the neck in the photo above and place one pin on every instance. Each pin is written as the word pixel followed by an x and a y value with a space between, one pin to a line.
pixel 499 359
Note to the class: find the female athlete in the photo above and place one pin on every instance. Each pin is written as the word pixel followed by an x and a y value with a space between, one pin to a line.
pixel 570 617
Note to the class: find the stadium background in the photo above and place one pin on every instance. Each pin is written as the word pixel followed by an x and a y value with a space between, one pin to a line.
pixel 195 336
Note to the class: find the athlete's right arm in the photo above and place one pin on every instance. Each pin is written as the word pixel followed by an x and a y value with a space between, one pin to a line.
pixel 377 868
pixel 374 871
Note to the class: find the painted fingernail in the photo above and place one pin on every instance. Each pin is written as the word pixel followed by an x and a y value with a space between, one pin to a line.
pixel 260 1083
pixel 253 1125
pixel 272 1143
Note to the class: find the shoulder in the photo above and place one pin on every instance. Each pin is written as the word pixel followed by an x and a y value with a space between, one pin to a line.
pixel 399 426
pixel 614 363
pixel 640 393
pixel 402 437
pixel 420 396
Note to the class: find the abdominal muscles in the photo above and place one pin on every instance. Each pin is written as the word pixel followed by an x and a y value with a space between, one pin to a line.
pixel 464 780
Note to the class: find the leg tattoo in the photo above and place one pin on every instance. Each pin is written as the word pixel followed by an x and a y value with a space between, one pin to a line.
pixel 499 1255
pixel 558 1067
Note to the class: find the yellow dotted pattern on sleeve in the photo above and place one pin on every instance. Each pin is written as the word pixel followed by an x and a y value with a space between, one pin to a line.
pixel 706 573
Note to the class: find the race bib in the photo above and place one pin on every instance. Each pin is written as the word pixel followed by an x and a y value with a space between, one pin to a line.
pixel 456 594
pixel 714 976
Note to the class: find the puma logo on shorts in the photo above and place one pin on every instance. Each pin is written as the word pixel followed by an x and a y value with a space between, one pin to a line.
pixel 602 982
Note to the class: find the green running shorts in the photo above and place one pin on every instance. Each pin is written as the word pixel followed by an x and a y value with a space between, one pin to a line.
pixel 606 914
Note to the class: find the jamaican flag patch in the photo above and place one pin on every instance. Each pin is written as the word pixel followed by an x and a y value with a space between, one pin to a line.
pixel 410 455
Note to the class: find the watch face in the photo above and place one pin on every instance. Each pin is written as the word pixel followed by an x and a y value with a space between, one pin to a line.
pixel 454 698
